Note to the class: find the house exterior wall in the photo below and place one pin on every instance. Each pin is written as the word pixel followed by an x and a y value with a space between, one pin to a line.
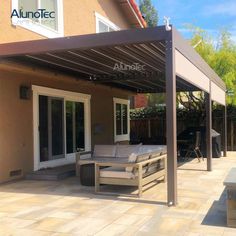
pixel 140 101
pixel 79 18
pixel 16 123
pixel 16 115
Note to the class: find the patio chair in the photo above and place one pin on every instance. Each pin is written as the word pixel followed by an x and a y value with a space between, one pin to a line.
pixel 194 149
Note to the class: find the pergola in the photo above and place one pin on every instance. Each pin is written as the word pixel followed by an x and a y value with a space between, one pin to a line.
pixel 171 65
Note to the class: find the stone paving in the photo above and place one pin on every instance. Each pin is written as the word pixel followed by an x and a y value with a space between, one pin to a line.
pixel 62 208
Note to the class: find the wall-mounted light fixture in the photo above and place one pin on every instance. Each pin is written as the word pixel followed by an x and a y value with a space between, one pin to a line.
pixel 24 92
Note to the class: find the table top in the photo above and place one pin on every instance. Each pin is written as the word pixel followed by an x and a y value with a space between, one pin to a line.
pixel 230 180
pixel 184 140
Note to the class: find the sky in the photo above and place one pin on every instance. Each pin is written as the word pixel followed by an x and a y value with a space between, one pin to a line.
pixel 210 15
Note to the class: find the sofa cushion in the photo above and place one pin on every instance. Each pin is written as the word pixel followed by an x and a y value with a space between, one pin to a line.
pixel 132 159
pixel 153 166
pixel 116 172
pixel 159 164
pixel 104 151
pixel 143 157
pixel 126 150
pixel 152 148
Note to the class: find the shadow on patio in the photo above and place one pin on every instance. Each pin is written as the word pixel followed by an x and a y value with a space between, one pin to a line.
pixel 216 215
pixel 71 187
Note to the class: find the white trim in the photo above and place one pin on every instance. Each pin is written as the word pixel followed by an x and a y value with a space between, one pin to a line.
pixel 39 28
pixel 121 101
pixel 67 96
pixel 59 93
pixel 122 137
pixel 105 21
pixel 136 16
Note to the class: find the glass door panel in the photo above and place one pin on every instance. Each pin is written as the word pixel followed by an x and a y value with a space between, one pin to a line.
pixel 57 126
pixel 69 127
pixel 79 126
pixel 43 128
pixel 51 128
pixel 75 126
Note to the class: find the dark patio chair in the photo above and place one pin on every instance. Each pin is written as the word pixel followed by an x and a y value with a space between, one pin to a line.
pixel 193 150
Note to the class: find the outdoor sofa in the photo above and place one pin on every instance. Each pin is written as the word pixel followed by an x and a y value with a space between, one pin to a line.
pixel 130 165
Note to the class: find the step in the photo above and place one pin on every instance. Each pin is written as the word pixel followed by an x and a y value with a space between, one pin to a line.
pixel 56 173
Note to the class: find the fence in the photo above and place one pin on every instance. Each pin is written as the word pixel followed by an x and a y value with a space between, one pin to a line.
pixel 155 128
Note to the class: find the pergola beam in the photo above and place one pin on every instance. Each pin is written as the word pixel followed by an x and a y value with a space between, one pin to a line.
pixel 189 52
pixel 131 36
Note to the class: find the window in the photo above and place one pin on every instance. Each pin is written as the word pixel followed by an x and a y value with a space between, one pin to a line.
pixel 49 27
pixel 104 25
pixel 121 119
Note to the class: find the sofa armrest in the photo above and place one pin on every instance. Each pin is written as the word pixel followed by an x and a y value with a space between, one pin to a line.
pixel 79 154
pixel 78 158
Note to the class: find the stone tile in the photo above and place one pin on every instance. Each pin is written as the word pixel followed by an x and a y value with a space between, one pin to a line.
pixel 22 232
pixel 132 220
pixel 63 214
pixel 84 226
pixel 15 222
pixel 229 232
pixel 141 209
pixel 65 208
pixel 168 225
pixel 112 230
pixel 48 224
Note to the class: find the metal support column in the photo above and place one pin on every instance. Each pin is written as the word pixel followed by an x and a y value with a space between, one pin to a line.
pixel 171 132
pixel 225 130
pixel 208 130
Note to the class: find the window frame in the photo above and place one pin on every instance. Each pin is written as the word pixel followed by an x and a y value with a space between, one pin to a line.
pixel 39 28
pixel 121 137
pixel 104 20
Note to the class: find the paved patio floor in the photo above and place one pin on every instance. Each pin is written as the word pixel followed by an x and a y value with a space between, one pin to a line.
pixel 32 208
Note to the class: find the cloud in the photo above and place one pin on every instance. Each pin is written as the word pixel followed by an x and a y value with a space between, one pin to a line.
pixel 224 8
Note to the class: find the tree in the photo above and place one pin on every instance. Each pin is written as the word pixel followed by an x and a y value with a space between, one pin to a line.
pixel 155 99
pixel 224 63
pixel 149 12
pixel 220 54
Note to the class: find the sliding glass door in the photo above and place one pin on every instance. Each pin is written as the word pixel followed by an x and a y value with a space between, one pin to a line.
pixel 62 127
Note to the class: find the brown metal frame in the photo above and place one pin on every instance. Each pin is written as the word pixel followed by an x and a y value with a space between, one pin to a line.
pixel 171 129
pixel 225 130
pixel 208 130
pixel 126 44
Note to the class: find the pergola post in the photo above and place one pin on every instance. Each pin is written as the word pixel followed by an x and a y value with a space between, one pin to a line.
pixel 171 132
pixel 208 130
pixel 225 129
